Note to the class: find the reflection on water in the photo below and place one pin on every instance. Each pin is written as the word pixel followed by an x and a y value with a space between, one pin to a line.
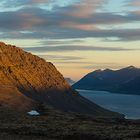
pixel 129 105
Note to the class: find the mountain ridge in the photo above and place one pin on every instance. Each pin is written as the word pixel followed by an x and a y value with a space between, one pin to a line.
pixel 69 80
pixel 38 80
pixel 109 80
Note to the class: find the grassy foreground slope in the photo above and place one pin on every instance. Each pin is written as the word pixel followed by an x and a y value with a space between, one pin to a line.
pixel 56 125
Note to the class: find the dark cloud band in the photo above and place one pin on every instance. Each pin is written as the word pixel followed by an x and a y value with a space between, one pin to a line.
pixel 74 48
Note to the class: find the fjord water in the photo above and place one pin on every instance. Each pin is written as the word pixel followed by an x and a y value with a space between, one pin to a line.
pixel 129 105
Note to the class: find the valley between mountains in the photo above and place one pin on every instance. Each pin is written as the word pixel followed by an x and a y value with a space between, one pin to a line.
pixel 28 82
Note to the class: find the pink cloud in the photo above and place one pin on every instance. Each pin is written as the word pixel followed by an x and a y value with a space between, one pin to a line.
pixel 39 1
pixel 136 2
pixel 29 21
pixel 86 8
pixel 73 25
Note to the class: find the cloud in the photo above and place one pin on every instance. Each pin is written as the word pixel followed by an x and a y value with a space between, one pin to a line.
pixel 91 65
pixel 85 8
pixel 25 19
pixel 135 3
pixel 60 33
pixel 39 19
pixel 74 48
pixel 73 62
pixel 16 3
pixel 103 66
pixel 77 20
pixel 60 58
pixel 61 42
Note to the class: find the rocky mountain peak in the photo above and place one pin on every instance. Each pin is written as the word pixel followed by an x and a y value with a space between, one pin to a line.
pixel 27 80
pixel 30 74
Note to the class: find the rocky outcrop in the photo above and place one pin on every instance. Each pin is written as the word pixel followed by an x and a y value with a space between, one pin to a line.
pixel 30 79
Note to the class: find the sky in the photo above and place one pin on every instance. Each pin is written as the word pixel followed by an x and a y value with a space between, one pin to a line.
pixel 78 36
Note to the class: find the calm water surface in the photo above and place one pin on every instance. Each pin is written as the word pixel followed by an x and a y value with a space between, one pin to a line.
pixel 129 105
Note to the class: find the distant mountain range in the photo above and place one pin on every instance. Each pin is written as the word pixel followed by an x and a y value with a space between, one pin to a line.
pixel 69 80
pixel 27 82
pixel 126 80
